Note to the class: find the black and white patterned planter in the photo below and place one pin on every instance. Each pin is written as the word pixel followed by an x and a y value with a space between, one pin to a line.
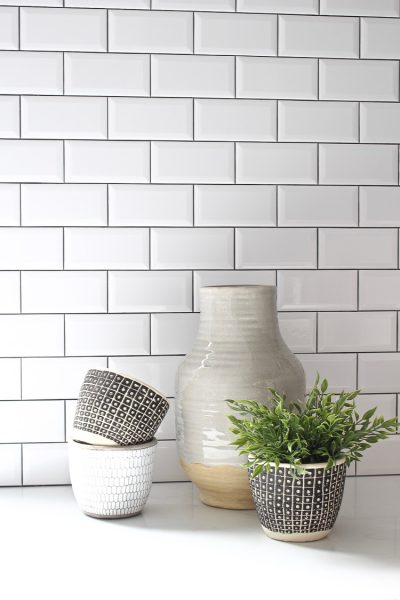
pixel 111 482
pixel 301 509
pixel 114 409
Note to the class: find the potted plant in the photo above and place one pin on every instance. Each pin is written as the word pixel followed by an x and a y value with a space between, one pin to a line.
pixel 297 457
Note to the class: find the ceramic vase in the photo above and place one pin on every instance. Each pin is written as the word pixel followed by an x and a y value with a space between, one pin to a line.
pixel 238 354
pixel 111 482
pixel 299 509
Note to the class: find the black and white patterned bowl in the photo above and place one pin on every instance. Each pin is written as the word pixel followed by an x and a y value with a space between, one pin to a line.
pixel 116 410
pixel 111 482
pixel 299 509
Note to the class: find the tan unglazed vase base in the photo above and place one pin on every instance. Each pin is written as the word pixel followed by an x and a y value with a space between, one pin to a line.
pixel 296 537
pixel 222 486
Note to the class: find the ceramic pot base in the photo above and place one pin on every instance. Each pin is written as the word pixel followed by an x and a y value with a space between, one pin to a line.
pixel 221 486
pixel 94 516
pixel 296 537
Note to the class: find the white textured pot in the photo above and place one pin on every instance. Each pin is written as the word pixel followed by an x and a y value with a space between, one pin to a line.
pixel 111 482
pixel 238 354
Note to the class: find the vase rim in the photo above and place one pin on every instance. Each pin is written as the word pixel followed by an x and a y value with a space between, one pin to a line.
pixel 131 447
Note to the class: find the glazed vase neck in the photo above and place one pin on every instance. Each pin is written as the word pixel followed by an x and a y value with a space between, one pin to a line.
pixel 238 312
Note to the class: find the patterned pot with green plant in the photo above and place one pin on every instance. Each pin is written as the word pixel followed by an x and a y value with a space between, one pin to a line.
pixel 297 457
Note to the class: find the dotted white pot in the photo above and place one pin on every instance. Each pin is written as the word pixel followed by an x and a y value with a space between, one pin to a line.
pixel 111 482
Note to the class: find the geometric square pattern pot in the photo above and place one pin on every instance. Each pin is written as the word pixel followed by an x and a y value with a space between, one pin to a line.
pixel 114 409
pixel 111 482
pixel 299 509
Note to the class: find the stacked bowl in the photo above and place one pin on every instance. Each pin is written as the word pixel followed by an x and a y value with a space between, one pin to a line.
pixel 112 447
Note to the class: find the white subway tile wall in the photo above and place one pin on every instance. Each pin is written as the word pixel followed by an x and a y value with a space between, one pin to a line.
pixel 151 147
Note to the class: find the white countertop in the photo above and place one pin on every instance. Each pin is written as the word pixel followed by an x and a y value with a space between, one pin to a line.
pixel 180 548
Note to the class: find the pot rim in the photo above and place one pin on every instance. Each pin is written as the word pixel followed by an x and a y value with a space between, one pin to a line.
pixel 132 379
pixel 339 461
pixel 85 445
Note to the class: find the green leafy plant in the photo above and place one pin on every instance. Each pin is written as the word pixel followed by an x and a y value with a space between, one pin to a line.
pixel 327 427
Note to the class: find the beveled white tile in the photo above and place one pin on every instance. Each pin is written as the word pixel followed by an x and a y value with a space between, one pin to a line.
pixel 56 378
pixel 64 291
pixel 339 369
pixel 194 5
pixel 317 290
pixel 107 74
pixel 10 460
pixel 276 163
pixel 108 3
pixel 192 162
pixel 32 2
pixel 380 8
pixel 151 118
pixel 8 28
pixel 317 121
pixel 187 248
pixel 10 373
pixel 299 331
pixel 306 205
pixel 150 291
pixel 357 332
pixel 63 29
pixel 150 205
pixel 380 290
pixel 104 161
pixel 63 204
pixel 31 248
pixel 258 248
pixel 379 372
pixel 358 164
pixel 31 335
pixel 150 31
pixel 31 73
pixel 31 160
pixel 103 335
pixel 253 120
pixel 45 464
pixel 219 33
pixel 380 122
pixel 63 117
pixel 380 206
pixel 212 278
pixel 259 77
pixel 235 205
pixel 210 76
pixel 358 248
pixel 9 115
pixel 380 38
pixel 9 204
pixel 279 6
pixel 108 248
pixel 385 404
pixel 166 466
pixel 173 334
pixel 32 421
pixel 382 458
pixel 158 371
pixel 358 80
pixel 318 36
pixel 10 292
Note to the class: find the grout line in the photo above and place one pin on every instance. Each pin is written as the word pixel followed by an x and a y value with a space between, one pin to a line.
pixel 192 282
pixel 19 28
pixel 359 37
pixel 107 293
pixel 316 331
pixel 20 292
pixel 277 35
pixel 65 420
pixel 358 206
pixel 193 206
pixel 193 120
pixel 65 339
pixel 107 29
pixel 22 464
pixel 193 32
pixel 318 85
pixel 277 194
pixel 150 77
pixel 234 162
